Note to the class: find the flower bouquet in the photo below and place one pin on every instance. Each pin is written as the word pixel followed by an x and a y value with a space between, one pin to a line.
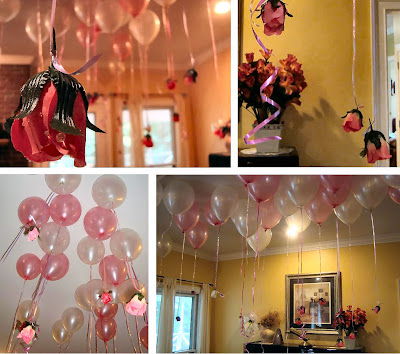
pixel 350 322
pixel 268 323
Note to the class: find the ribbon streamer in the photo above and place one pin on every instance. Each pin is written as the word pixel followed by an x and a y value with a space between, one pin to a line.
pixel 217 256
pixel 375 259
pixel 319 249
pixel 129 330
pixel 194 268
pixel 354 52
pixel 255 256
pixel 185 27
pixel 243 266
pixel 13 243
pixel 351 272
pixel 138 335
pixel 11 336
pixel 167 31
pixel 39 37
pixel 211 25
pixel 338 257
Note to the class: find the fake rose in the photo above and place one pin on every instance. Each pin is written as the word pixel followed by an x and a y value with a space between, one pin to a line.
pixel 148 141
pixel 298 321
pixel 339 343
pixel 106 298
pixel 376 309
pixel 376 147
pixel 353 121
pixel 352 335
pixel 27 334
pixel 273 16
pixel 33 235
pixel 137 306
pixel 171 84
pixel 176 117
pixel 190 77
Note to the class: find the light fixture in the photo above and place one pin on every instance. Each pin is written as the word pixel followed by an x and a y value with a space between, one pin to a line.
pixel 222 7
pixel 292 231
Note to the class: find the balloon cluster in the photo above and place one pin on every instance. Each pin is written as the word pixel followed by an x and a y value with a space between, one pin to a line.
pixel 71 321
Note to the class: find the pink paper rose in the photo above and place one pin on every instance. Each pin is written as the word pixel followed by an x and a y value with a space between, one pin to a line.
pixel 137 306
pixel 340 343
pixel 273 15
pixel 352 335
pixel 376 147
pixel 353 121
pixel 33 234
pixel 27 334
pixel 106 298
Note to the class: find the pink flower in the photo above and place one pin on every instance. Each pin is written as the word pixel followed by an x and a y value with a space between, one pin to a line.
pixel 273 17
pixel 33 234
pixel 340 343
pixel 353 121
pixel 137 307
pixel 27 334
pixel 376 147
pixel 106 298
pixel 352 335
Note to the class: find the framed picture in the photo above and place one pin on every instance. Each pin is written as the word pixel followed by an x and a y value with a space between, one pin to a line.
pixel 306 290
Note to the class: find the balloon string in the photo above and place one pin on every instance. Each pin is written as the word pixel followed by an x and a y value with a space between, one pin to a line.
pixel 194 268
pixel 167 30
pixel 354 52
pixel 106 345
pixel 62 46
pixel 40 44
pixel 351 272
pixel 338 256
pixel 11 336
pixel 1 39
pixel 287 303
pixel 217 257
pixel 211 25
pixel 255 256
pixel 138 335
pixel 301 258
pixel 66 348
pixel 115 344
pixel 132 72
pixel 89 345
pixel 132 275
pixel 181 271
pixel 129 330
pixel 13 243
pixel 243 267
pixel 95 336
pixel 375 259
pixel 185 27
pixel 319 248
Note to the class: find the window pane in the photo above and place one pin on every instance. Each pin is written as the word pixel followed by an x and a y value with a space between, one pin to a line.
pixel 158 307
pixel 162 153
pixel 90 152
pixel 127 136
pixel 182 336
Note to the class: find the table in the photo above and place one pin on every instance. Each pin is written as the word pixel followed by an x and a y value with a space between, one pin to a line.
pixel 290 159
pixel 258 347
pixel 222 159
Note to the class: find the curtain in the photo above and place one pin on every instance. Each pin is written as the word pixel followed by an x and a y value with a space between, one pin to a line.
pixel 166 317
pixel 203 337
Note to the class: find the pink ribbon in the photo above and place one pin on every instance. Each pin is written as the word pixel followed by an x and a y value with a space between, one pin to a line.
pixel 264 98
pixel 53 52
pixel 185 26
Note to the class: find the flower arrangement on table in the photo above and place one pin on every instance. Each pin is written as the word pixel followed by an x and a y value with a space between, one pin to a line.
pixel 350 322
pixel 270 320
pixel 284 90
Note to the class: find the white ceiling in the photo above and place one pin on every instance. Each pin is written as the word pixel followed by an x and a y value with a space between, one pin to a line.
pixel 387 224
pixel 59 295
pixel 16 41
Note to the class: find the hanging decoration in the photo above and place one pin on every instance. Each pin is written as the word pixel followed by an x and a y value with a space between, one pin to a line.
pixel 191 74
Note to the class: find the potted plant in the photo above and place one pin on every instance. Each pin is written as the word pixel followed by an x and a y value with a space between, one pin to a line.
pixel 284 89
pixel 268 324
pixel 349 322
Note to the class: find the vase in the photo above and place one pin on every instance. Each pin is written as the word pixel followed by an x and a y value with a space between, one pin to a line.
pixel 268 335
pixel 350 343
pixel 268 131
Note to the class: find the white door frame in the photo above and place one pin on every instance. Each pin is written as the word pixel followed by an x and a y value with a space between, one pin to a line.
pixel 380 8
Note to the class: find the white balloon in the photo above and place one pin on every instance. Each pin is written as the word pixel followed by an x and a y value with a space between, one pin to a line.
pixel 178 197
pixel 109 191
pixel 60 334
pixel 24 312
pixel 246 222
pixel 31 28
pixel 54 238
pixel 165 2
pixel 295 222
pixel 126 244
pixel 9 9
pixel 264 238
pixel 224 202
pixel 63 184
pixel 145 27
pixel 160 192
pixel 392 181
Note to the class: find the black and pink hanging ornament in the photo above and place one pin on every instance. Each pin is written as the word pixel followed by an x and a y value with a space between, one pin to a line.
pixel 191 76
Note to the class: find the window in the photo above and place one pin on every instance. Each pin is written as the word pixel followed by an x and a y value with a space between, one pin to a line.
pixel 90 152
pixel 163 136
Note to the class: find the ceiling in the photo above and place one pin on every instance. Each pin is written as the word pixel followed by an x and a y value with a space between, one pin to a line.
pixel 16 41
pixel 59 295
pixel 387 224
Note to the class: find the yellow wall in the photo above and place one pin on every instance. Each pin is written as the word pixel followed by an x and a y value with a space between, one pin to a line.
pixel 320 35
pixel 210 103
pixel 381 331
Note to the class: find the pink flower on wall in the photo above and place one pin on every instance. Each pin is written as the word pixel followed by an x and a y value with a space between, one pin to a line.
pixel 137 306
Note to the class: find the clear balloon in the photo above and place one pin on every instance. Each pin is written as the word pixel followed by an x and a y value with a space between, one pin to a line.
pixel 94 291
pixel 85 11
pixel 144 336
pixel 264 238
pixel 369 191
pixel 318 209
pixel 63 184
pixel 62 21
pixel 210 216
pixel 9 10
pixel 302 189
pixel 126 245
pixel 85 33
pixel 106 329
pixel 60 334
pixel 224 202
pixel 65 210
pixel 246 179
pixel 263 188
pixel 145 27
pixel 283 202
pixel 54 266
pixel 32 29
pixel 109 16
pixel 127 290
pixel 134 7
pixel 100 223
pixel 33 211
pixel 334 183
pixel 178 197
pixel 81 297
pixel 160 193
pixel 24 312
pixel 392 181
pixel 394 194
pixel 269 213
pixel 335 198
pixel 164 246
pixel 108 310
pixel 90 251
pixel 188 219
pixel 72 319
pixel 112 270
pixel 53 238
pixel 246 222
pixel 165 2
pixel 198 235
pixel 121 44
pixel 298 224
pixel 349 211
pixel 28 266
pixel 109 191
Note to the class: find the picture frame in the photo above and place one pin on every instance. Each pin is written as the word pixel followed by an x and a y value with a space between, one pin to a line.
pixel 317 319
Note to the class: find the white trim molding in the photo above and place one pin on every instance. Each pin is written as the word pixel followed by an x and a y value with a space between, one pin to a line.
pixel 7 59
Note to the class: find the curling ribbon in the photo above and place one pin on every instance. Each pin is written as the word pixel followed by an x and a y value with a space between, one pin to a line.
pixel 129 330
pixel 167 31
pixel 185 26
pixel 319 247
pixel 40 44
pixel 351 271
pixel 374 239
pixel 53 51
pixel 264 98
pixel 338 257
pixel 243 266
pixel 256 256
pixel 217 257
pixel 211 25
pixel 11 336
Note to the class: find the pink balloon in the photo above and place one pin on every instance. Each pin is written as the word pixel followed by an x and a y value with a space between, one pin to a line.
pixel 318 209
pixel 335 198
pixel 54 266
pixel 247 179
pixel 112 270
pixel 100 223
pixel 144 336
pixel 394 194
pixel 270 215
pixel 134 7
pixel 122 45
pixel 263 188
pixel 198 236
pixel 210 216
pixel 335 182
pixel 108 310
pixel 65 210
pixel 188 219
pixel 106 328
pixel 28 266
pixel 33 211
pixel 82 31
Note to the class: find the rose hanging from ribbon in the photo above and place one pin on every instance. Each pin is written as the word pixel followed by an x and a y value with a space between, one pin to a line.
pixel 376 147
pixel 273 14
pixel 353 121
pixel 137 306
